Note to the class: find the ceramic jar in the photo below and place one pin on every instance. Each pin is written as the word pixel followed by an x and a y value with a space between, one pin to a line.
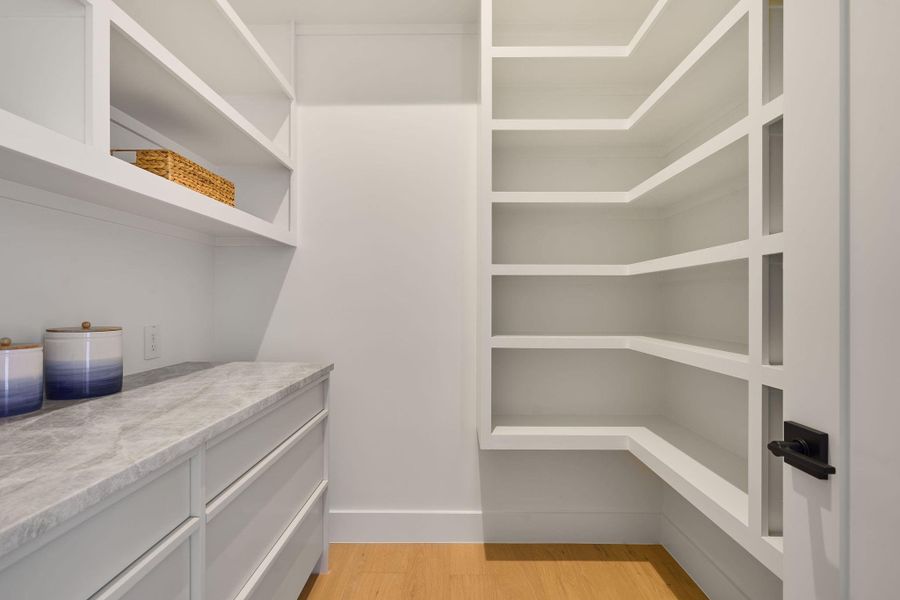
pixel 21 378
pixel 82 362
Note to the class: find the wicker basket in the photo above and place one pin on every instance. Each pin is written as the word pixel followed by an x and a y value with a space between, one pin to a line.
pixel 177 168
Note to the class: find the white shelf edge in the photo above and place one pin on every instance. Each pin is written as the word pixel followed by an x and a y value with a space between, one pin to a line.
pixel 772 376
pixel 241 27
pixel 772 110
pixel 715 144
pixel 718 499
pixel 559 197
pixel 723 362
pixel 619 51
pixel 71 162
pixel 624 124
pixel 710 147
pixel 707 256
pixel 773 244
pixel 156 51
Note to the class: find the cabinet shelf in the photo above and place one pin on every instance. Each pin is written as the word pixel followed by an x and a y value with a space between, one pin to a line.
pixel 151 85
pixel 696 258
pixel 710 355
pixel 35 156
pixel 213 41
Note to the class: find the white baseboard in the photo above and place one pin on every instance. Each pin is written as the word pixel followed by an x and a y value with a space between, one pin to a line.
pixel 701 568
pixel 414 526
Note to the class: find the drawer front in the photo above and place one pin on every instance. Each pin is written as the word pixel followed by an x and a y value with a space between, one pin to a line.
pixel 242 533
pixel 232 456
pixel 287 574
pixel 81 561
pixel 169 580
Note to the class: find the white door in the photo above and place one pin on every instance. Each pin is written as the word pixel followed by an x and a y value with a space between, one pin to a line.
pixel 815 290
pixel 842 294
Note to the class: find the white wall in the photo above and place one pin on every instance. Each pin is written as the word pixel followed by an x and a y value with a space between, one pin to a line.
pixel 60 269
pixel 383 285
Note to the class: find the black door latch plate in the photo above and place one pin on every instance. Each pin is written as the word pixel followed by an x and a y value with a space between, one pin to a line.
pixel 804 448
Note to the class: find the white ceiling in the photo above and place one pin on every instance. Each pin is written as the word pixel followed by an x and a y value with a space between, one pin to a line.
pixel 359 12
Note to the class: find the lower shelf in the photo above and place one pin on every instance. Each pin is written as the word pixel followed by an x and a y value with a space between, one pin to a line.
pixel 709 477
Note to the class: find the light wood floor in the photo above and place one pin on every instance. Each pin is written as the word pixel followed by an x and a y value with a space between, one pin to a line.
pixel 501 572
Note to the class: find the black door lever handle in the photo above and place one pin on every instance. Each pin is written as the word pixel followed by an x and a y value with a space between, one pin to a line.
pixel 805 449
pixel 782 448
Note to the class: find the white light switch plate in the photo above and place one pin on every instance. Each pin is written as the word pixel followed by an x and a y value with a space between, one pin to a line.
pixel 151 342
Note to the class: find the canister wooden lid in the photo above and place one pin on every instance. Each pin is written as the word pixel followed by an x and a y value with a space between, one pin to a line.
pixel 86 327
pixel 7 344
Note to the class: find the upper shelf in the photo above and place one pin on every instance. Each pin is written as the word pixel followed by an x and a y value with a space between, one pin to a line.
pixel 718 161
pixel 39 157
pixel 712 78
pixel 648 32
pixel 212 40
pixel 150 84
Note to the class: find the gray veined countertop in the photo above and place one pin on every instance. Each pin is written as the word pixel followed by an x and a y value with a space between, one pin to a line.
pixel 59 462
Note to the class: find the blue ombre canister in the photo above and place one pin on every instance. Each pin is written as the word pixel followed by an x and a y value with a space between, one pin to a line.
pixel 82 362
pixel 21 378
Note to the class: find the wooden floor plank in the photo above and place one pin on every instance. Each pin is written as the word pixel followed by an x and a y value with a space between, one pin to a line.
pixel 501 572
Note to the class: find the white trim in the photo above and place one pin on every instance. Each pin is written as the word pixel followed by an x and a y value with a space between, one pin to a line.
pixel 701 567
pixel 477 526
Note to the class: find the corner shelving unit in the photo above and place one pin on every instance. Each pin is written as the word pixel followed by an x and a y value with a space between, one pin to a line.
pixel 147 83
pixel 630 243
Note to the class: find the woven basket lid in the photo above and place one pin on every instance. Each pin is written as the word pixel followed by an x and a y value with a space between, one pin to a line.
pixel 86 327
pixel 7 344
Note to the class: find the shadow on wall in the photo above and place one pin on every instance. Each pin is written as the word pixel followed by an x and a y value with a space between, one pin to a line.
pixel 248 282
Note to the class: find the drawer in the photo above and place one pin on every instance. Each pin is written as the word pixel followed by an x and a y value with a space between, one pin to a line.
pixel 232 455
pixel 241 533
pixel 81 561
pixel 169 580
pixel 287 572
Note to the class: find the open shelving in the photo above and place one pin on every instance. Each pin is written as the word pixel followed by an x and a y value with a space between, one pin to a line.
pixel 212 40
pixel 139 93
pixel 630 239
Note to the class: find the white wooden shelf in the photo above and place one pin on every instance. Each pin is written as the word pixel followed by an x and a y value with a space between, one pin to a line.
pixel 664 17
pixel 151 85
pixel 213 41
pixel 773 376
pixel 674 101
pixel 696 258
pixel 35 156
pixel 720 160
pixel 773 244
pixel 710 477
pixel 710 355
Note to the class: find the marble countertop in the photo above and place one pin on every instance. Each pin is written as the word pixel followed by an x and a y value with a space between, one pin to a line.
pixel 57 463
